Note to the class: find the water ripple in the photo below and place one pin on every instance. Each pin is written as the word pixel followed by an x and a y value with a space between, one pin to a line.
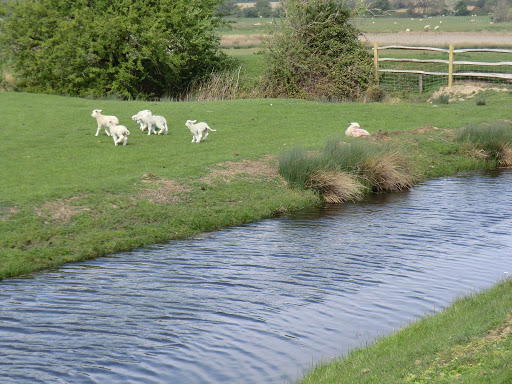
pixel 260 302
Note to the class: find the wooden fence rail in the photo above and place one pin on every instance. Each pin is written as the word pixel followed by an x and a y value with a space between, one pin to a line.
pixel 450 62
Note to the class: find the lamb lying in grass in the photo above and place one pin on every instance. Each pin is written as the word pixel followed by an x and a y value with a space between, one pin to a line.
pixel 140 114
pixel 152 122
pixel 119 133
pixel 354 130
pixel 198 129
pixel 104 121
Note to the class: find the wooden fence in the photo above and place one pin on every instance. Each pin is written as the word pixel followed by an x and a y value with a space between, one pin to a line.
pixel 450 63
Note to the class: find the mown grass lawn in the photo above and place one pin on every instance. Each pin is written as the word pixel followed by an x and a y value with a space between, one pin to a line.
pixel 67 195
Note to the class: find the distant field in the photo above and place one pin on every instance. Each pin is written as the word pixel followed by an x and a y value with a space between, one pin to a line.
pixel 248 32
pixel 445 23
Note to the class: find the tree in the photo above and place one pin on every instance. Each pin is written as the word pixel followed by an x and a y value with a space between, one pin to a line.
pixel 502 11
pixel 263 8
pixel 129 48
pixel 316 54
pixel 381 6
pixel 228 8
pixel 461 8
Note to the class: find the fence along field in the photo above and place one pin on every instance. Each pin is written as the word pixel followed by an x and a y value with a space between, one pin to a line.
pixel 466 33
pixel 407 72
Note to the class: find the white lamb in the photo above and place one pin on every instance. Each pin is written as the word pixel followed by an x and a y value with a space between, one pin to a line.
pixel 119 133
pixel 426 28
pixel 137 117
pixel 198 129
pixel 354 130
pixel 436 28
pixel 153 121
pixel 104 121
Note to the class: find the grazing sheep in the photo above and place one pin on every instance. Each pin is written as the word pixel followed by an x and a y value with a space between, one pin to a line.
pixel 139 114
pixel 104 121
pixel 198 129
pixel 436 28
pixel 426 28
pixel 407 30
pixel 119 133
pixel 354 130
pixel 153 121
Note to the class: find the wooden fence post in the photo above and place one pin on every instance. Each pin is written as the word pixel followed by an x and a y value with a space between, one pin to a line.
pixel 376 61
pixel 450 66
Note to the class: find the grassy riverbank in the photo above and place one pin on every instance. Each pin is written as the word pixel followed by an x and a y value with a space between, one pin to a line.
pixel 469 342
pixel 67 195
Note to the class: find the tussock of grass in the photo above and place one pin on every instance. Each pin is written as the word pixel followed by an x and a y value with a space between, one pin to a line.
pixel 335 186
pixel 345 171
pixel 493 142
pixel 386 173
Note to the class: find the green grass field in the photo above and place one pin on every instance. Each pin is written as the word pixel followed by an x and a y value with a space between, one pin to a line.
pixel 67 195
pixel 250 27
pixel 446 24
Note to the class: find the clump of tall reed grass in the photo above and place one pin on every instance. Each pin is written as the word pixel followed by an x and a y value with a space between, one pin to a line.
pixel 346 171
pixel 495 140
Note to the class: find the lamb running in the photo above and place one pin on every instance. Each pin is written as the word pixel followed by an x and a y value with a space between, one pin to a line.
pixel 119 133
pixel 137 117
pixel 153 121
pixel 104 121
pixel 354 130
pixel 198 129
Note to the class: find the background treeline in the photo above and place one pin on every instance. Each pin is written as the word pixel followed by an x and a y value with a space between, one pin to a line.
pixel 500 10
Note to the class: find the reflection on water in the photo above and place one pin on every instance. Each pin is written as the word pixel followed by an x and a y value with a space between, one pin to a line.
pixel 261 302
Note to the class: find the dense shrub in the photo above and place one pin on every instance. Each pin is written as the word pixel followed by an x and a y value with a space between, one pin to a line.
pixel 316 54
pixel 128 48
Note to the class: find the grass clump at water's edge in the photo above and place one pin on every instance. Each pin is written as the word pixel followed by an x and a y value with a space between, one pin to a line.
pixel 67 195
pixel 469 342
pixel 349 170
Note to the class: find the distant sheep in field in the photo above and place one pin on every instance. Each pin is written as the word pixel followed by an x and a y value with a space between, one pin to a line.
pixel 198 130
pixel 119 133
pixel 436 28
pixel 104 121
pixel 407 30
pixel 139 114
pixel 354 130
pixel 152 122
pixel 426 28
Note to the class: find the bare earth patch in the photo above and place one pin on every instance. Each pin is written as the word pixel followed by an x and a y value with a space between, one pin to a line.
pixel 163 191
pixel 60 211
pixel 265 168
pixel 461 92
pixel 9 212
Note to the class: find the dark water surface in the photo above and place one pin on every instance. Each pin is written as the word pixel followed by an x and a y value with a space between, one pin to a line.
pixel 259 303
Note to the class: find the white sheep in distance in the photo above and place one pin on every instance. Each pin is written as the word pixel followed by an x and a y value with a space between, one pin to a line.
pixel 436 28
pixel 104 121
pixel 119 133
pixel 139 114
pixel 198 129
pixel 426 28
pixel 153 121
pixel 407 30
pixel 354 130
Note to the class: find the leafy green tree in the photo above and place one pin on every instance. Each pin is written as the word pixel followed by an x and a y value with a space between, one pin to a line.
pixel 228 8
pixel 381 6
pixel 128 48
pixel 461 8
pixel 316 54
pixel 263 8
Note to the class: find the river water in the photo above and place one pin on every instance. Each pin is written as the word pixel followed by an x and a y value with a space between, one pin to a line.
pixel 259 303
